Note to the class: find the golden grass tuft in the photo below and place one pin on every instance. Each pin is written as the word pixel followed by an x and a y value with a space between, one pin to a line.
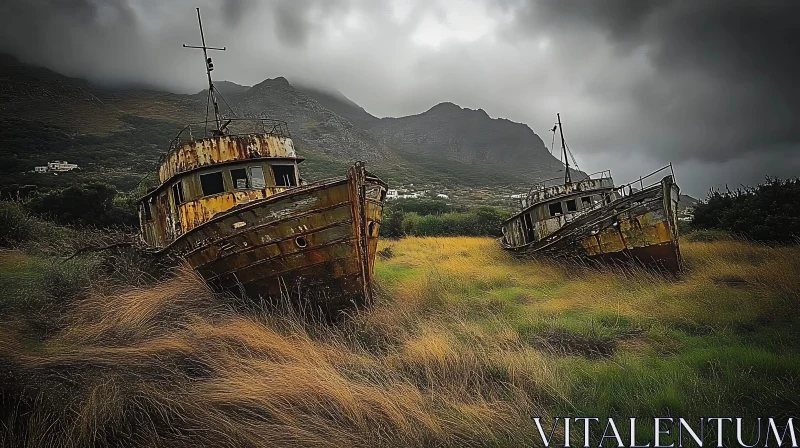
pixel 168 364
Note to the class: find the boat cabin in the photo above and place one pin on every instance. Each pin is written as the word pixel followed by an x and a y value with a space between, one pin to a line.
pixel 201 177
pixel 546 209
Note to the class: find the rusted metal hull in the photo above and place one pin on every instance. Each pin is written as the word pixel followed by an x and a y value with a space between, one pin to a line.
pixel 313 244
pixel 641 228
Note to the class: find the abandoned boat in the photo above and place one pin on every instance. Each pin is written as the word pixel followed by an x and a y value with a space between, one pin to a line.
pixel 231 203
pixel 591 219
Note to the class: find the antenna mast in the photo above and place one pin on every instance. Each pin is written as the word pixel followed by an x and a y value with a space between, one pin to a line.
pixel 567 177
pixel 209 67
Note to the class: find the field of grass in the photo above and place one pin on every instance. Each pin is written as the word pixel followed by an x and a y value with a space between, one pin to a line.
pixel 465 346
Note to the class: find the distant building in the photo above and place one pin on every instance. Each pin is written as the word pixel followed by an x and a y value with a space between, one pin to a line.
pixel 392 194
pixel 61 167
pixel 55 167
pixel 442 196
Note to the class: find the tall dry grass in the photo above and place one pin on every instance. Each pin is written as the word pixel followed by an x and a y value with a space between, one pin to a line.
pixel 464 346
pixel 171 365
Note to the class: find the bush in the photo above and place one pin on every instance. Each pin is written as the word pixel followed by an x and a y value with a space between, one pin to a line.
pixel 769 212
pixel 433 217
pixel 423 206
pixel 89 205
pixel 16 225
pixel 392 225
pixel 481 221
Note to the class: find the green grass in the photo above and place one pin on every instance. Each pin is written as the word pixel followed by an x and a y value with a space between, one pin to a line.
pixel 465 345
pixel 719 341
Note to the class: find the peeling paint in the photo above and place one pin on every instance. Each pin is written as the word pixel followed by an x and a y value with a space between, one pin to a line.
pixel 225 149
pixel 641 226
pixel 315 242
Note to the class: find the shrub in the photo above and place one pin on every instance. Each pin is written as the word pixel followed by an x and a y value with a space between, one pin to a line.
pixel 392 225
pixel 16 225
pixel 423 206
pixel 89 205
pixel 480 221
pixel 769 212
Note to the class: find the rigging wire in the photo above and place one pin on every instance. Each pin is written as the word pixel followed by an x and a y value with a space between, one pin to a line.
pixel 230 109
pixel 574 162
pixel 550 160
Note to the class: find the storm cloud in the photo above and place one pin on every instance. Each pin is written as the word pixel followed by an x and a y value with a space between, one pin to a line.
pixel 708 85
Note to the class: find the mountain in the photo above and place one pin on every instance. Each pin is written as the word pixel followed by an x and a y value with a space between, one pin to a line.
pixel 450 132
pixel 341 105
pixel 688 200
pixel 228 88
pixel 312 124
pixel 117 133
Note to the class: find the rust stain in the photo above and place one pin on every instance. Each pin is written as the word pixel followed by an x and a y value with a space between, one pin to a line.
pixel 641 226
pixel 243 230
pixel 224 149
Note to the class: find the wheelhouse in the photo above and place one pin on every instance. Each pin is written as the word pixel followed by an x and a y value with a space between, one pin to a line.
pixel 545 209
pixel 202 177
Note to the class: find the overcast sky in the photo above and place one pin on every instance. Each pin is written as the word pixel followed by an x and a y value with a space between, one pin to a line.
pixel 713 86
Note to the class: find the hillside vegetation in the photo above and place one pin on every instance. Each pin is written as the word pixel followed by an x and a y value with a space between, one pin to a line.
pixel 768 212
pixel 465 346
pixel 116 134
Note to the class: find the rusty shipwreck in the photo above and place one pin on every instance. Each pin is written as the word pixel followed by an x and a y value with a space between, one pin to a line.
pixel 592 219
pixel 230 203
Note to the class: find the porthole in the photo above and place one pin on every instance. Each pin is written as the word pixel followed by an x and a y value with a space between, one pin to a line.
pixel 301 242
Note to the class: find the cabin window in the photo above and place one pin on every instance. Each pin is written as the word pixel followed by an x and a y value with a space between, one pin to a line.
pixel 257 177
pixel 572 206
pixel 555 209
pixel 212 183
pixel 148 214
pixel 586 202
pixel 284 175
pixel 239 179
pixel 177 193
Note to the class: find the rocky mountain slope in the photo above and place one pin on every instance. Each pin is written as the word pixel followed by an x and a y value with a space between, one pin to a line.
pixel 341 105
pixel 468 136
pixel 318 128
pixel 46 116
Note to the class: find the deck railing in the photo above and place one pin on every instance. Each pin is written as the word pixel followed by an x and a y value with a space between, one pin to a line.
pixel 230 127
pixel 554 181
pixel 627 189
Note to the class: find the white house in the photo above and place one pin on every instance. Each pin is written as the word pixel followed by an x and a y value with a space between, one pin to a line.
pixel 442 196
pixel 392 194
pixel 40 169
pixel 60 167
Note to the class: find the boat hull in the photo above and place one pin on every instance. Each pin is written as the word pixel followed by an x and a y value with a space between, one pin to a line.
pixel 313 245
pixel 640 228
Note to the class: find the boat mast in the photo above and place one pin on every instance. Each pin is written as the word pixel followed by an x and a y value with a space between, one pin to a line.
pixel 209 67
pixel 567 177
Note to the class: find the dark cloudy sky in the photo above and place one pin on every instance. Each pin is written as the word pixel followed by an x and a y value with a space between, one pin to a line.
pixel 713 86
